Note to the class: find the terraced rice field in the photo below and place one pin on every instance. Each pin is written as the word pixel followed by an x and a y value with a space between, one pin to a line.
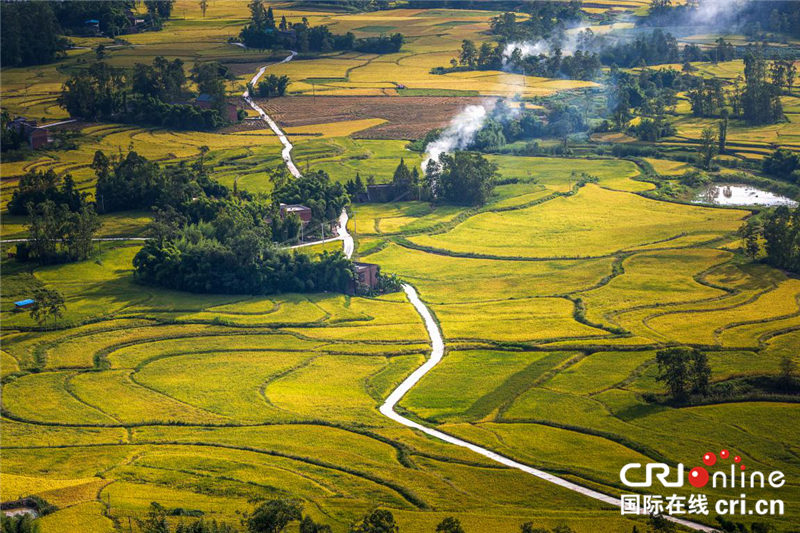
pixel 553 300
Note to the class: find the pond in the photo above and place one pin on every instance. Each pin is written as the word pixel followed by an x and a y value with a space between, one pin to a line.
pixel 736 194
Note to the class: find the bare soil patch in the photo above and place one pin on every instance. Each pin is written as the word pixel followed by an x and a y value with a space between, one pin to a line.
pixel 408 117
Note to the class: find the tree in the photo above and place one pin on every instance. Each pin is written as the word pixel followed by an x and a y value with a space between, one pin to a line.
pixel 47 304
pixel 203 7
pixel 622 110
pixel 272 516
pixel 723 133
pixel 527 527
pixel 210 80
pixel 463 178
pixel 449 525
pixel 708 147
pixel 700 372
pixel 469 54
pixel 673 370
pixel 156 520
pixel 782 238
pixel 100 52
pixel 30 34
pixel 659 524
pixel 79 232
pixel 378 521
pixel 788 371
pixel 203 151
pixel 750 232
pixel 309 526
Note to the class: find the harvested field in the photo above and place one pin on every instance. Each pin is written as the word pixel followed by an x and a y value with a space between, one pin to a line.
pixel 409 117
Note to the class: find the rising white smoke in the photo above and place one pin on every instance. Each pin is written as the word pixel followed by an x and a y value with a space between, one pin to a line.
pixel 460 133
pixel 526 49
pixel 716 12
pixel 568 45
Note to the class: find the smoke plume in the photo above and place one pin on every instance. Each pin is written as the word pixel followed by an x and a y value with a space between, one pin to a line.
pixel 460 133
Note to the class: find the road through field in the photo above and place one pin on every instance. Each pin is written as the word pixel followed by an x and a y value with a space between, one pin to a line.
pixel 437 352
pixel 286 153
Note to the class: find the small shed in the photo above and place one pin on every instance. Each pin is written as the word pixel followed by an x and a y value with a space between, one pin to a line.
pixel 300 210
pixel 24 304
pixel 92 26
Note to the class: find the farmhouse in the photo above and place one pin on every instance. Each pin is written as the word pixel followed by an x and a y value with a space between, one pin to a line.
pixel 229 111
pixel 366 278
pixel 135 24
pixel 36 136
pixel 300 210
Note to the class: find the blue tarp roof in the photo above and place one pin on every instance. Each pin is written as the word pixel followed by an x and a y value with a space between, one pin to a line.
pixel 206 98
pixel 24 302
pixel 92 21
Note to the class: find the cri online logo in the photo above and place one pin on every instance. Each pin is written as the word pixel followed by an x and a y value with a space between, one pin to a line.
pixel 699 476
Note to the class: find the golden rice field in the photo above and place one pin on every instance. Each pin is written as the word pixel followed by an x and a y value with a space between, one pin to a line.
pixel 552 299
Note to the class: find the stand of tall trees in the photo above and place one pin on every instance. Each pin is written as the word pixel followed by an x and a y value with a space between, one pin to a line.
pixel 760 102
pixel 782 238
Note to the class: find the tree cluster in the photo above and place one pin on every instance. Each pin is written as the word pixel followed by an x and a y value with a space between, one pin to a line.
pixel 133 182
pixel 460 178
pixel 37 187
pixel 232 252
pixel 275 516
pixel 145 96
pixel 760 101
pixel 31 34
pixel 780 234
pixel 684 371
pixel 752 18
pixel 263 32
pixel 272 85
pixel 784 164
pixel 57 234
pixel 315 190
pixel 652 48
pixel 544 20
pixel 581 65
pixel 505 125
